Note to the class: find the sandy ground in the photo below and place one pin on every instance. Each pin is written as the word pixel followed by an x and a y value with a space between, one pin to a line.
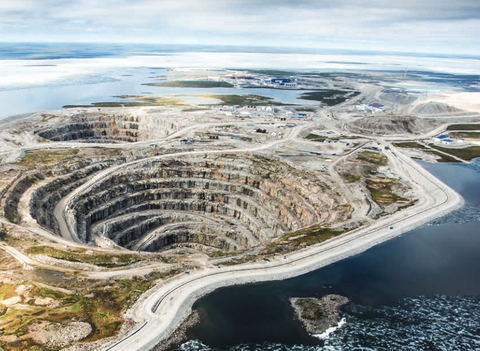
pixel 166 306
pixel 464 101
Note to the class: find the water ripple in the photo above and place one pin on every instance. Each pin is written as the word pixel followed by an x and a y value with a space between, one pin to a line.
pixel 423 323
pixel 439 323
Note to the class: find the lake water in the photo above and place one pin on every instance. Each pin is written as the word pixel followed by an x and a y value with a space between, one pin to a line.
pixel 36 77
pixel 125 81
pixel 417 292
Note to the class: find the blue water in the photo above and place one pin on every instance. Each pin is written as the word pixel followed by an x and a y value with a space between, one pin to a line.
pixel 418 292
pixel 112 83
pixel 106 85
pixel 43 51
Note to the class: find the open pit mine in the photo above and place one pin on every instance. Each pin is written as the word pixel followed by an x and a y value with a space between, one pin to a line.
pixel 113 221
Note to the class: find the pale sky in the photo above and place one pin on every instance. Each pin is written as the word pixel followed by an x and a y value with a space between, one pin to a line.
pixel 425 26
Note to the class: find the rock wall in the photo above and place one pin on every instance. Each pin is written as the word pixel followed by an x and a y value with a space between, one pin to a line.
pixel 255 202
pixel 109 128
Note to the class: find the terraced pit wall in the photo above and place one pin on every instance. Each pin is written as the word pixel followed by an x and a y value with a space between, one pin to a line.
pixel 213 205
pixel 100 128
pixel 217 204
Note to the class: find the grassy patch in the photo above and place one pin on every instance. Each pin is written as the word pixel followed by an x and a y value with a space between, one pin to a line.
pixel 306 109
pixel 311 236
pixel 224 254
pixel 467 153
pixel 315 137
pixel 290 242
pixel 137 101
pixel 310 309
pixel 154 100
pixel 465 135
pixel 414 145
pixel 411 145
pixel 191 84
pixel 372 157
pixel 350 178
pixel 195 109
pixel 46 157
pixel 18 316
pixel 329 97
pixel 321 138
pixel 7 291
pixel 241 100
pixel 464 127
pixel 273 72
pixel 381 191
pixel 80 255
pixel 102 307
pixel 235 262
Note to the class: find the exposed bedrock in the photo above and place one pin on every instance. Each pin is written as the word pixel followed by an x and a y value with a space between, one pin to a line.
pixel 60 180
pixel 109 128
pixel 220 204
pixel 45 199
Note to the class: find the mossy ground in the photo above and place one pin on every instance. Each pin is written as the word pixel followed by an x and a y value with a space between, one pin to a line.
pixel 464 127
pixel 373 157
pixel 195 109
pixel 329 97
pixel 301 238
pixel 467 153
pixel 136 101
pixel 33 159
pixel 381 191
pixel 242 100
pixel 81 255
pixel 306 109
pixel 192 84
pixel 322 138
pixel 414 145
pixel 310 309
pixel 101 307
pixel 465 135
pixel 315 137
pixel 351 178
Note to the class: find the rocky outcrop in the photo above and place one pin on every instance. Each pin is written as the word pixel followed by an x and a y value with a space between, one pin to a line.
pixel 433 107
pixel 102 128
pixel 318 315
pixel 45 198
pixel 13 195
pixel 57 335
pixel 391 125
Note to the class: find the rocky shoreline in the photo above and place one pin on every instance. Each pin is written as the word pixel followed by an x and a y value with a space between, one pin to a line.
pixel 179 335
pixel 318 315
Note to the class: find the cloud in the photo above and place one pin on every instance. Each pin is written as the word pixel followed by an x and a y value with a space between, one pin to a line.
pixel 378 24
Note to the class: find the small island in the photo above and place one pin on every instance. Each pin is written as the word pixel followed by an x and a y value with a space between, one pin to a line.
pixel 319 315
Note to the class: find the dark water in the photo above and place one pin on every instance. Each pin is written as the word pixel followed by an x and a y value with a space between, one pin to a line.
pixel 418 292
